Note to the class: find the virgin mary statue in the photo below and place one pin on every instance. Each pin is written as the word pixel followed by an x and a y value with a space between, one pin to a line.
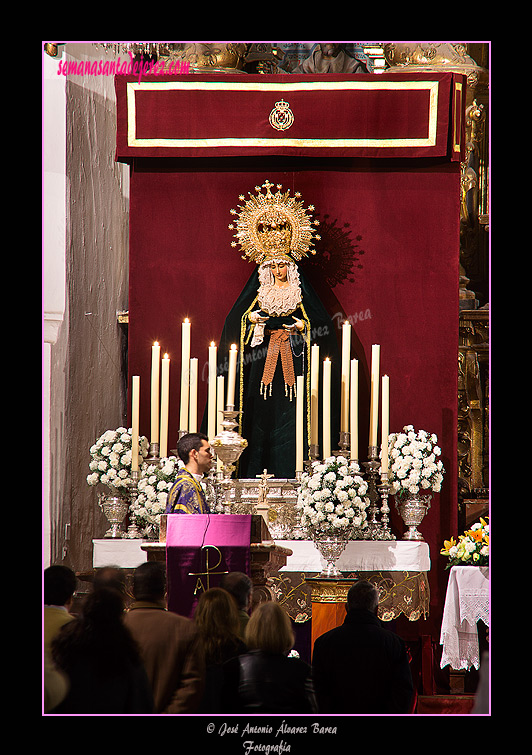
pixel 275 320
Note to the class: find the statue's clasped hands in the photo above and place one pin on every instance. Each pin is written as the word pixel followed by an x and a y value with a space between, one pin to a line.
pixel 298 325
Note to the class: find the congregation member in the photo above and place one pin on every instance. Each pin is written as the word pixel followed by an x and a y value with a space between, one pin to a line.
pixel 99 656
pixel 59 586
pixel 360 667
pixel 240 586
pixel 265 679
pixel 217 619
pixel 169 644
pixel 186 496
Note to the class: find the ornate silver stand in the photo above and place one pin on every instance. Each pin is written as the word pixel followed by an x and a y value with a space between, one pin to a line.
pixel 132 531
pixel 344 444
pixel 115 509
pixel 372 467
pixel 384 490
pixel 228 445
pixel 154 457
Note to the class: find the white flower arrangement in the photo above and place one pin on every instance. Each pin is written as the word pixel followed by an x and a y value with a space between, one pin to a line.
pixel 332 497
pixel 153 488
pixel 111 459
pixel 415 466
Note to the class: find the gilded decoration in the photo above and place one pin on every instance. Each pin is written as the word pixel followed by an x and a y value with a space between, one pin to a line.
pixel 406 593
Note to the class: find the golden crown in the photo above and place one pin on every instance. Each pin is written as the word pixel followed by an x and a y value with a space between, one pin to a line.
pixel 272 226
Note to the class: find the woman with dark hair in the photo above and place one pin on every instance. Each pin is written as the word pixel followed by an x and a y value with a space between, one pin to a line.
pixel 265 679
pixel 99 656
pixel 217 619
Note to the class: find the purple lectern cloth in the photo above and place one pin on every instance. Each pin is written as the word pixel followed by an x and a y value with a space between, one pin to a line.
pixel 200 548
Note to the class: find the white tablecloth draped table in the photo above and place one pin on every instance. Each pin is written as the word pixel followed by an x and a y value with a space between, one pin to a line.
pixel 360 555
pixel 467 601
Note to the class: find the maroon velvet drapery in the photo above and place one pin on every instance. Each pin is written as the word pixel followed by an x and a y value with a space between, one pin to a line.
pixel 388 258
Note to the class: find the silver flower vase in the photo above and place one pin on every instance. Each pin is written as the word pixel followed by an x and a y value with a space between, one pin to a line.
pixel 115 509
pixel 331 546
pixel 412 507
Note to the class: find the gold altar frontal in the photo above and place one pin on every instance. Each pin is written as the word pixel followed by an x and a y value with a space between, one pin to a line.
pixel 399 593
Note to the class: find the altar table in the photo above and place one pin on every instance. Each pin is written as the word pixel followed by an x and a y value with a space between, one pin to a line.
pixel 467 601
pixel 397 568
pixel 118 551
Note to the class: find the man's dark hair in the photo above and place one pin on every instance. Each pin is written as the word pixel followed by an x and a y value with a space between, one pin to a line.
pixel 109 576
pixel 189 442
pixel 149 581
pixel 59 585
pixel 239 585
pixel 363 595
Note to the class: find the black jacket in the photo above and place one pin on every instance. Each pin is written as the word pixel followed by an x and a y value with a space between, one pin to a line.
pixel 258 682
pixel 361 667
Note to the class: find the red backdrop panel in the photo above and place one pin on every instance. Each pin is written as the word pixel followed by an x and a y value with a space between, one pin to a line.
pixel 390 230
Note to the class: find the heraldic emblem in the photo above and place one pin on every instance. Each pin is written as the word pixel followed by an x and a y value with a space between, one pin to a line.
pixel 281 117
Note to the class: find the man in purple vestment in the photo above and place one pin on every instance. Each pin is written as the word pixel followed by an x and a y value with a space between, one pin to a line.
pixel 186 495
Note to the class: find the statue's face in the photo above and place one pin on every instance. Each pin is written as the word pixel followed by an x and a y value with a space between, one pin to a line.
pixel 274 235
pixel 280 271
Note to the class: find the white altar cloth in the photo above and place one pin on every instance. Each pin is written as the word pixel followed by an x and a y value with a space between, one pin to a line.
pixel 117 551
pixel 363 555
pixel 360 555
pixel 467 601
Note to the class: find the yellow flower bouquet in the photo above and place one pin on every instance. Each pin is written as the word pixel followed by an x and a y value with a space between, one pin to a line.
pixel 471 548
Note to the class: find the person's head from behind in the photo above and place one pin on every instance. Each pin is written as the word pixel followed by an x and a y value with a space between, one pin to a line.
pixel 216 617
pixel 109 576
pixel 59 585
pixel 102 610
pixel 239 585
pixel 363 595
pixel 194 450
pixel 216 612
pixel 269 629
pixel 149 582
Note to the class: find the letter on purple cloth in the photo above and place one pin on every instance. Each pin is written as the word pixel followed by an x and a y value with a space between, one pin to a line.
pixel 200 548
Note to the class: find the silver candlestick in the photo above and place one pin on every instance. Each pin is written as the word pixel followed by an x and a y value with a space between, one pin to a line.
pixel 344 444
pixel 384 490
pixel 154 457
pixel 372 467
pixel 132 531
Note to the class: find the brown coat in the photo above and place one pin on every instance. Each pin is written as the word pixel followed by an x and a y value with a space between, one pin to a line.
pixel 172 655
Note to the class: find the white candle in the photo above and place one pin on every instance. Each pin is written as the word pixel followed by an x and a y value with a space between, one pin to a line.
pixel 314 383
pixel 220 395
pixel 155 366
pixel 346 356
pixel 354 410
pixel 231 379
pixel 211 412
pixel 385 422
pixel 193 397
pixel 300 395
pixel 326 408
pixel 185 374
pixel 165 401
pixel 135 412
pixel 374 400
